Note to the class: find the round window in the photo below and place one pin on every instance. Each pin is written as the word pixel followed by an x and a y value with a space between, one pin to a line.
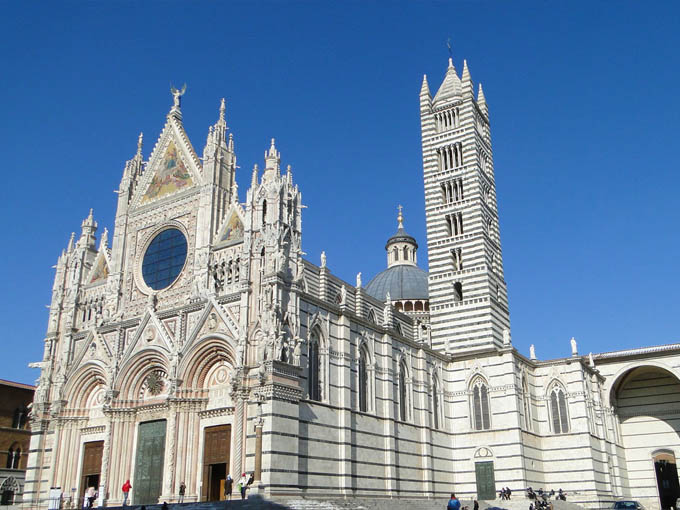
pixel 164 259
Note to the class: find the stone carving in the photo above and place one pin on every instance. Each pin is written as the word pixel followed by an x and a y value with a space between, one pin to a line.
pixel 212 321
pixel 297 352
pixel 506 337
pixel 359 280
pixel 323 259
pixel 343 295
pixel 574 347
pixel 532 352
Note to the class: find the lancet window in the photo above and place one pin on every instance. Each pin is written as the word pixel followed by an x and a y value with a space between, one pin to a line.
pixel 558 410
pixel 481 419
pixel 403 391
pixel 363 380
pixel 314 369
pixel 526 401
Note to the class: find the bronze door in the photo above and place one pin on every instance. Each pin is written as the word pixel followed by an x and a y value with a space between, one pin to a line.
pixel 216 449
pixel 486 481
pixel 149 460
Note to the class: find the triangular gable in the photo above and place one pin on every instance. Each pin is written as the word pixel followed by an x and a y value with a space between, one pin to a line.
pixel 100 268
pixel 150 332
pixel 95 347
pixel 173 166
pixel 213 320
pixel 232 229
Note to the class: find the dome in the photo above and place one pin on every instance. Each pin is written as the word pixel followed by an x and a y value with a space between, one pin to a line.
pixel 401 281
pixel 401 237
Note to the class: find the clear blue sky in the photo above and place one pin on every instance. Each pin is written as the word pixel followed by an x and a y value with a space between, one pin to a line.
pixel 584 110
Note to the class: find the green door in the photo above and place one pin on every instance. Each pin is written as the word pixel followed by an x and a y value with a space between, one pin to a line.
pixel 486 482
pixel 149 462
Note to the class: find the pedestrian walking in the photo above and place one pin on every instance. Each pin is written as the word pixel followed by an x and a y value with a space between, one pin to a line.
pixel 475 505
pixel 228 484
pixel 454 504
pixel 164 506
pixel 126 491
pixel 182 490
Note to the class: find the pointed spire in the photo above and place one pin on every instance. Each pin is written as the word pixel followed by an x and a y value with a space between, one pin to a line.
pixel 425 87
pixel 104 240
pixel 289 174
pixel 222 110
pixel 467 80
pixel 89 227
pixel 272 160
pixel 231 142
pixel 71 242
pixel 450 87
pixel 140 142
pixel 481 100
pixel 253 182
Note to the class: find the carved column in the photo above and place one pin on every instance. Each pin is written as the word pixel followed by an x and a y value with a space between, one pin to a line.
pixel 170 451
pixel 106 455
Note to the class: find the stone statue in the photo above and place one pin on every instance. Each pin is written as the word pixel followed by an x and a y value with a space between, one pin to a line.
pixel 574 348
pixel 591 361
pixel 297 352
pixel 506 337
pixel 359 280
pixel 177 94
pixel 343 295
pixel 532 351
pixel 323 259
pixel 278 350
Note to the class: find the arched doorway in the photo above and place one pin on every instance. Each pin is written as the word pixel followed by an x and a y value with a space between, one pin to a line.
pixel 646 401
pixel 666 477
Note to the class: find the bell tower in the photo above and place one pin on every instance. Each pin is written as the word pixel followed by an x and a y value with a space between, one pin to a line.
pixel 467 290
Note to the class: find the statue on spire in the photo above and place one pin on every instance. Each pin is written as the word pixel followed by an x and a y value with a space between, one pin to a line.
pixel 400 217
pixel 177 94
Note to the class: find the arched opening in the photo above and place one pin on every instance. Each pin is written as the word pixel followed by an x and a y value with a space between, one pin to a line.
pixel 403 409
pixel 481 417
pixel 408 307
pixel 645 402
pixel 313 379
pixel 363 380
pixel 419 306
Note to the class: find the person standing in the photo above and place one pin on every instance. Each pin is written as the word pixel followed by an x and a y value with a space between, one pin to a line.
pixel 454 504
pixel 126 491
pixel 243 485
pixel 228 484
pixel 182 490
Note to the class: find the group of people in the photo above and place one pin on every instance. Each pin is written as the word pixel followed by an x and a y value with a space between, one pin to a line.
pixel 541 495
pixel 505 493
pixel 243 484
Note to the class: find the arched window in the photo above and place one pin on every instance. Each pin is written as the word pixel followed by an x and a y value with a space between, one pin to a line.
pixel 403 394
pixel 435 402
pixel 13 456
pixel 10 458
pixel 457 291
pixel 363 380
pixel 526 399
pixel 397 328
pixel 264 212
pixel 480 405
pixel 314 368
pixel 17 457
pixel 558 411
pixel 371 316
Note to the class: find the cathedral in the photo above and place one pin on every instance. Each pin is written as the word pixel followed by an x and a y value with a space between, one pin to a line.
pixel 196 341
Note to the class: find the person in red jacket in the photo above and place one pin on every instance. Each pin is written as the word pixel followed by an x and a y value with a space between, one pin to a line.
pixel 126 491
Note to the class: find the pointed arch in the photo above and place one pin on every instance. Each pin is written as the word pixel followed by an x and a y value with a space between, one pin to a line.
pixel 314 365
pixel 202 357
pixel 526 404
pixel 371 316
pixel 135 370
pixel 89 378
pixel 365 378
pixel 558 407
pixel 479 403
pixel 403 389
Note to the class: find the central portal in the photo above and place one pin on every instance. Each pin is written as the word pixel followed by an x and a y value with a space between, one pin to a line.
pixel 149 460
pixel 216 445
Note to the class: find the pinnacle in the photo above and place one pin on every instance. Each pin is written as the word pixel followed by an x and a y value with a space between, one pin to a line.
pixel 425 87
pixel 140 141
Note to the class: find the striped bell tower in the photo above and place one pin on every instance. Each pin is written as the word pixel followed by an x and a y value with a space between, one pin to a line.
pixel 467 290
